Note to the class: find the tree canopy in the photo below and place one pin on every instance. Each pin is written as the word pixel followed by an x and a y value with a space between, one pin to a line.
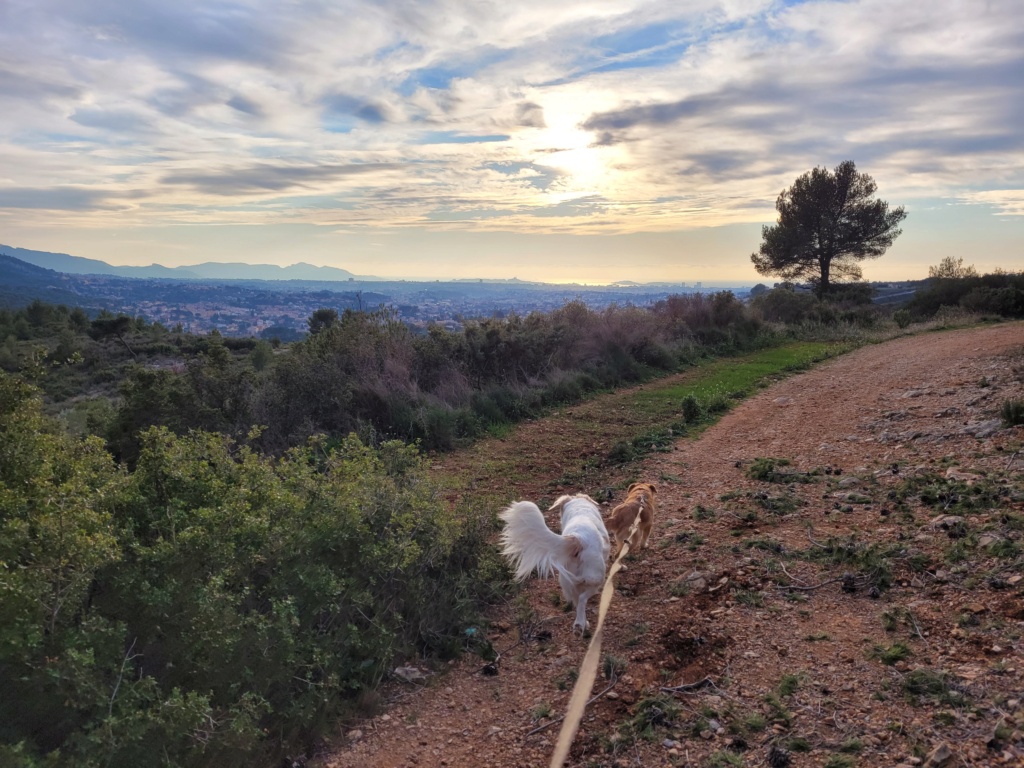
pixel 828 222
pixel 322 319
pixel 107 324
pixel 952 269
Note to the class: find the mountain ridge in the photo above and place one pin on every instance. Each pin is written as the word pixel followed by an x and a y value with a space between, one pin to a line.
pixel 210 270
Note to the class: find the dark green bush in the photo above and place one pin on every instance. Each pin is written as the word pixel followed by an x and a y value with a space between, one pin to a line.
pixel 998 293
pixel 367 372
pixel 845 302
pixel 565 390
pixel 211 607
pixel 1012 412
pixel 1007 301
pixel 785 305
pixel 656 356
pixel 692 412
pixel 850 294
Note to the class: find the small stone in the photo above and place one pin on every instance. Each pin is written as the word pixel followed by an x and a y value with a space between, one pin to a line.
pixel 946 521
pixel 354 735
pixel 940 757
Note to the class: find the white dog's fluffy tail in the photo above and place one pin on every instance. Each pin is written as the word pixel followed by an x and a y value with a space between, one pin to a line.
pixel 531 545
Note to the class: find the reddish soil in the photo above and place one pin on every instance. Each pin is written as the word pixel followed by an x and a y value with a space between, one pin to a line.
pixel 892 439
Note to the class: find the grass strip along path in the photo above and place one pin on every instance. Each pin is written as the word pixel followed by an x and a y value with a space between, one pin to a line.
pixel 591 447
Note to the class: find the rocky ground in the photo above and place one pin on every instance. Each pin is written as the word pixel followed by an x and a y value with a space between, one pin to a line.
pixel 834 579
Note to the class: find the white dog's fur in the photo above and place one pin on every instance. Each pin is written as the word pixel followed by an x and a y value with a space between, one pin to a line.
pixel 579 554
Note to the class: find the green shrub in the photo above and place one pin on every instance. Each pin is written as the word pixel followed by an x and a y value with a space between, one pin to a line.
pixel 652 713
pixel 212 607
pixel 999 293
pixel 692 412
pixel 768 470
pixel 785 305
pixel 889 656
pixel 1012 412
pixel 931 683
pixel 565 391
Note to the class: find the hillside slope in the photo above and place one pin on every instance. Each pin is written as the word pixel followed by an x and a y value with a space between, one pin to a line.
pixel 20 282
pixel 862 605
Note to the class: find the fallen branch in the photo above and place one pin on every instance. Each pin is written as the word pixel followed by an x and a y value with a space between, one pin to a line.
pixel 819 545
pixel 810 588
pixel 689 686
pixel 791 576
pixel 917 629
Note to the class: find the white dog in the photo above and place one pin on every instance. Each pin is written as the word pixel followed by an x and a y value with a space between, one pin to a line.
pixel 579 554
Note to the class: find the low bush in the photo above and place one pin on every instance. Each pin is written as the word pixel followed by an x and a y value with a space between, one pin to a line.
pixel 212 607
pixel 1012 412
pixel 785 305
pixel 692 411
pixel 1000 293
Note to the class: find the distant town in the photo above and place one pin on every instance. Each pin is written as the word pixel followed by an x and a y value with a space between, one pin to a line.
pixel 279 308
pixel 275 309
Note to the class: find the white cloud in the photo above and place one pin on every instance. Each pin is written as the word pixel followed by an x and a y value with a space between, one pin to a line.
pixel 635 116
pixel 1009 202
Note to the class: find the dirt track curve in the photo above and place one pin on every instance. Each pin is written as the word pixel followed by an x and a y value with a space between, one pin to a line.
pixel 704 600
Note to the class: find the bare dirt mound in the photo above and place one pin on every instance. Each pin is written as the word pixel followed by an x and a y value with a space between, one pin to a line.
pixel 858 601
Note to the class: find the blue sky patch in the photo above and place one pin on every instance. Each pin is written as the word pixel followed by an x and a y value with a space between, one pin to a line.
pixel 455 137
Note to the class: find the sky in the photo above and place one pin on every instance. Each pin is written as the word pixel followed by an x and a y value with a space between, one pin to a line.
pixel 560 141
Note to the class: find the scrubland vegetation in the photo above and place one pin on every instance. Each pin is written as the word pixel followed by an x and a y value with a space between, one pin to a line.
pixel 210 547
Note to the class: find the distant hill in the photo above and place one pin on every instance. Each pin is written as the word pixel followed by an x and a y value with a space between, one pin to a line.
pixel 76 265
pixel 21 282
pixel 211 270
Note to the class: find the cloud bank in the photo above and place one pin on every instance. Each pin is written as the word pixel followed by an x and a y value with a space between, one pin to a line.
pixel 636 116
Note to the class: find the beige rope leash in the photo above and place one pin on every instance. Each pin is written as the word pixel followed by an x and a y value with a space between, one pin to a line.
pixel 588 669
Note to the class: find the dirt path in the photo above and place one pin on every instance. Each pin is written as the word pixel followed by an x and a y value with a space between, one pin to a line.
pixel 916 654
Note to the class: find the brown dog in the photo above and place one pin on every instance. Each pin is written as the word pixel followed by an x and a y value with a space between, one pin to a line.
pixel 639 501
